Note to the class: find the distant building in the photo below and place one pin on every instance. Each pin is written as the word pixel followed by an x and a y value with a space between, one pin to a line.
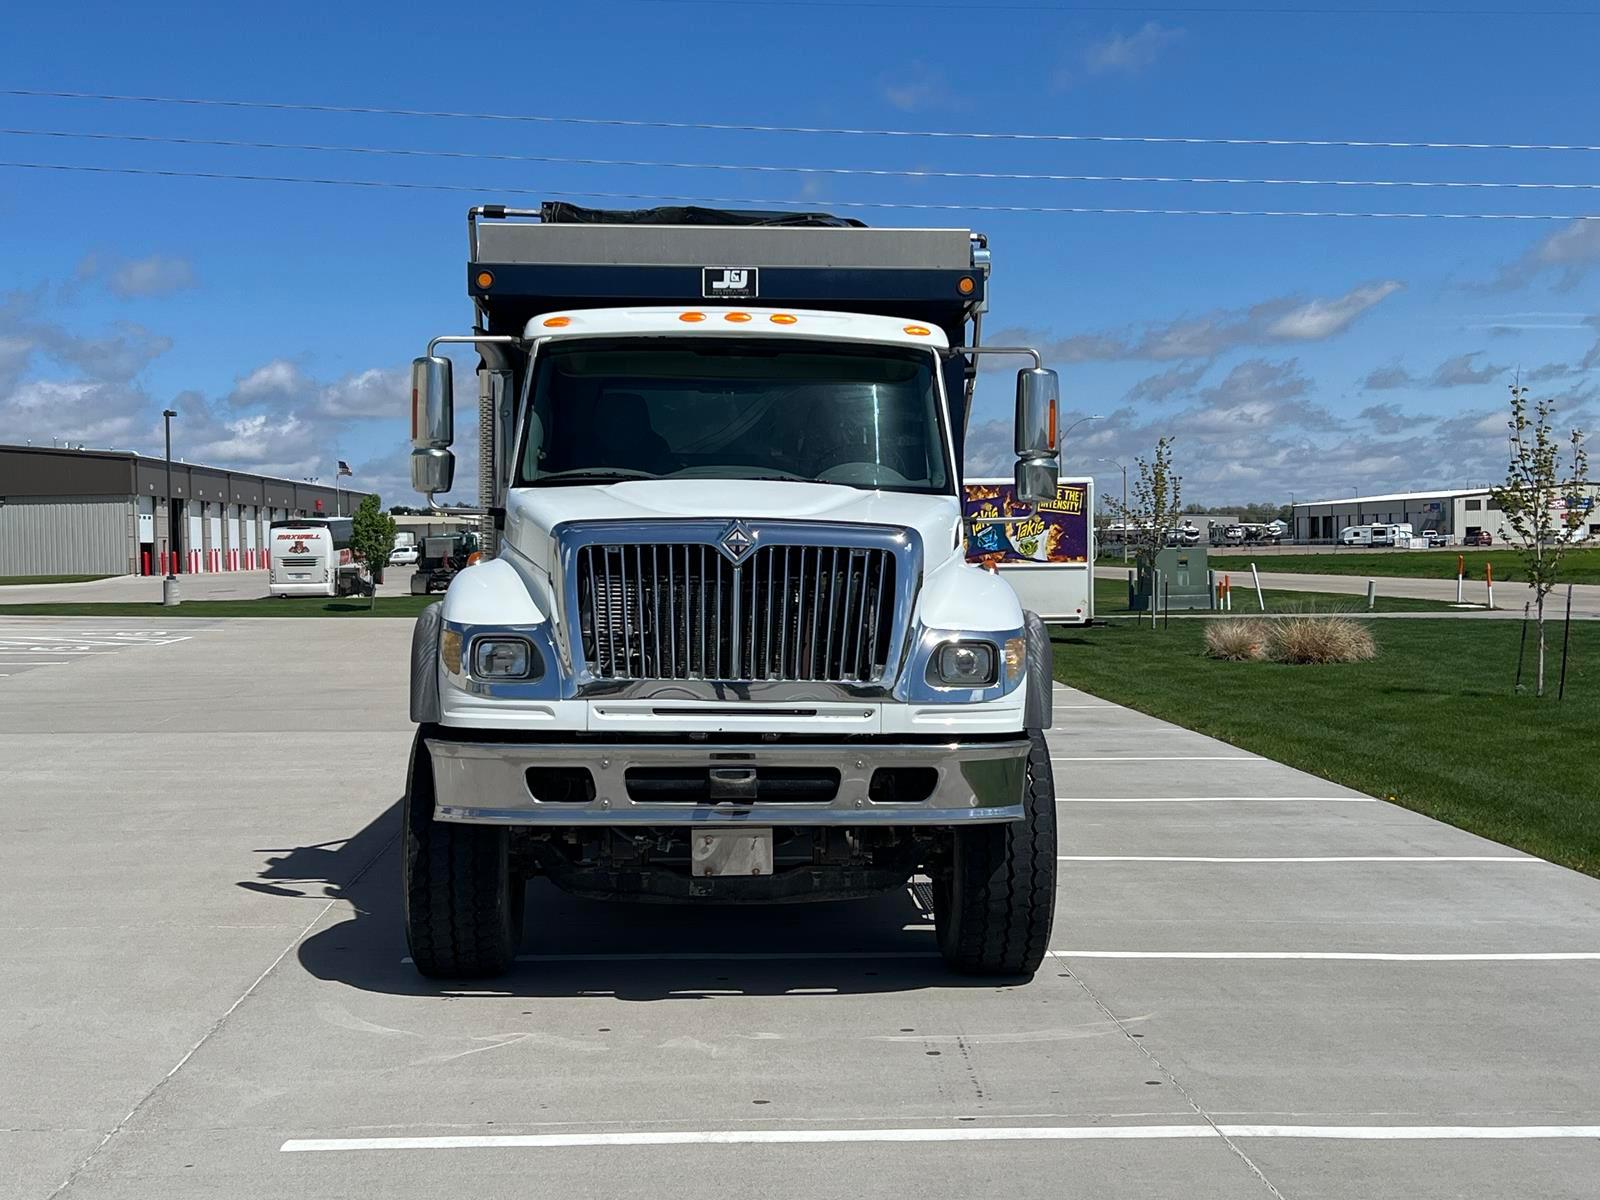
pixel 93 512
pixel 1454 513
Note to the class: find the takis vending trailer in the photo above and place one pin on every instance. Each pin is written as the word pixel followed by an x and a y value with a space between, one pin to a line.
pixel 1048 559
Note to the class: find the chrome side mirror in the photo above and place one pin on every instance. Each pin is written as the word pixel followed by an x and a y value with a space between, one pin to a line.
pixel 432 470
pixel 433 420
pixel 1038 406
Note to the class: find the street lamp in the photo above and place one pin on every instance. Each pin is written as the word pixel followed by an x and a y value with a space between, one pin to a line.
pixel 1124 471
pixel 169 585
pixel 1063 439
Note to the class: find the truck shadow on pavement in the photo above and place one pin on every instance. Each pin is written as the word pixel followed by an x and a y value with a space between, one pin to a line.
pixel 581 949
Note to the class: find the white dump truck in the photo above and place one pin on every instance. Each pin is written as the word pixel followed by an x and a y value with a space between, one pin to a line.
pixel 724 644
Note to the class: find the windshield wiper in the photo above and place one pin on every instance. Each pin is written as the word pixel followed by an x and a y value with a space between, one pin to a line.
pixel 591 476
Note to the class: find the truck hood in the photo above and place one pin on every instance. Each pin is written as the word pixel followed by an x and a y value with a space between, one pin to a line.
pixel 532 513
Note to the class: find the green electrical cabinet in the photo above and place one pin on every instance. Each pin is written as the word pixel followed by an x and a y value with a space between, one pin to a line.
pixel 1185 581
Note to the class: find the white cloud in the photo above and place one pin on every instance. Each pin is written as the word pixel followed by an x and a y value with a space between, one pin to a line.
pixel 157 275
pixel 1283 319
pixel 1459 370
pixel 1128 54
pixel 918 88
pixel 1571 251
pixel 1318 319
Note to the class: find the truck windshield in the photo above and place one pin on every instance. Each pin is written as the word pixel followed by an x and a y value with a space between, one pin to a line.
pixel 607 410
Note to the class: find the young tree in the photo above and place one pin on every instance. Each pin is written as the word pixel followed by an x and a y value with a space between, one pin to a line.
pixel 1155 508
pixel 1542 500
pixel 372 539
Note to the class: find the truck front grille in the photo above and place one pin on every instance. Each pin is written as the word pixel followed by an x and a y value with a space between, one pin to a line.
pixel 786 613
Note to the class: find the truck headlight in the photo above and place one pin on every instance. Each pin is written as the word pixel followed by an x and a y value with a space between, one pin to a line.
pixel 503 658
pixel 964 664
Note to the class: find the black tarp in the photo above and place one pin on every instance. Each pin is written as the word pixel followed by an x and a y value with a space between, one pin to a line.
pixel 558 212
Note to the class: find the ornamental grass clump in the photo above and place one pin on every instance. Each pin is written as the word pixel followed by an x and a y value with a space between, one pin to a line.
pixel 1296 639
pixel 1236 641
pixel 1320 640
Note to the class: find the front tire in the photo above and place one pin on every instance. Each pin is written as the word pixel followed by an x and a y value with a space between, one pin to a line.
pixel 463 905
pixel 994 908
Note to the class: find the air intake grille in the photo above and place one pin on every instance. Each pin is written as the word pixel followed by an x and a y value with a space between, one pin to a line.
pixel 786 613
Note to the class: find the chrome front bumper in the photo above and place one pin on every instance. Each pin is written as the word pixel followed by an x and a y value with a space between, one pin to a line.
pixel 486 783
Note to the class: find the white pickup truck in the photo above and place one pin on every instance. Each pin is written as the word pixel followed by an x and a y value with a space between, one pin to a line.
pixel 725 644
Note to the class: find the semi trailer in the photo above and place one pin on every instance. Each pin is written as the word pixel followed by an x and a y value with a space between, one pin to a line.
pixel 724 644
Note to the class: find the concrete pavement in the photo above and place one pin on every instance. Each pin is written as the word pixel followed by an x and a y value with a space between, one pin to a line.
pixel 139 589
pixel 1264 984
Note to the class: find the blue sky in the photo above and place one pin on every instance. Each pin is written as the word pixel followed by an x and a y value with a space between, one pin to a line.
pixel 1283 354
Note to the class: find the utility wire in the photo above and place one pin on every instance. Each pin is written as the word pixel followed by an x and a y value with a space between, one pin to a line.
pixel 1068 10
pixel 722 127
pixel 804 204
pixel 881 172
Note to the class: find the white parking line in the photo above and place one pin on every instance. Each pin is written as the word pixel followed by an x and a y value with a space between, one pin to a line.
pixel 1346 858
pixel 1025 1133
pixel 1099 758
pixel 1213 799
pixel 1332 955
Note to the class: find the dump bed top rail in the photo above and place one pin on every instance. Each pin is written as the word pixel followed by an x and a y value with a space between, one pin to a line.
pixel 525 262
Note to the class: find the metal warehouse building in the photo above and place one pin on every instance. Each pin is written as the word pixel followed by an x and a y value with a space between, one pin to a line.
pixel 91 512
pixel 1453 513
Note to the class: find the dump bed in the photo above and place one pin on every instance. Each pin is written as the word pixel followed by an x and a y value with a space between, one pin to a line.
pixel 587 258
pixel 526 262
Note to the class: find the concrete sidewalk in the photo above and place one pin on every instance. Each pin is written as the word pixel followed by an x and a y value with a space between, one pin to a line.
pixel 1507 596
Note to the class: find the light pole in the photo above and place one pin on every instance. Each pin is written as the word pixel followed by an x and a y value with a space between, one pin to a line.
pixel 1063 439
pixel 1124 471
pixel 169 585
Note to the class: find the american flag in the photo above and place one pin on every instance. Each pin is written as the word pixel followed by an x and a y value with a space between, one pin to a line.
pixel 344 469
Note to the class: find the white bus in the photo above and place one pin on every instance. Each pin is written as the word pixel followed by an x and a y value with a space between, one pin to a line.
pixel 311 556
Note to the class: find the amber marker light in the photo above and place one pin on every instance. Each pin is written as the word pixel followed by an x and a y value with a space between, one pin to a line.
pixel 692 317
pixel 918 330
pixel 557 322
pixel 737 317
pixel 485 279
pixel 783 319
pixel 965 285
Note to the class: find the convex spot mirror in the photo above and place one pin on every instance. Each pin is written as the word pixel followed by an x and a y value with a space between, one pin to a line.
pixel 432 471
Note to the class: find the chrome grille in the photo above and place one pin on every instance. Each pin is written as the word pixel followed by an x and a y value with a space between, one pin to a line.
pixel 677 610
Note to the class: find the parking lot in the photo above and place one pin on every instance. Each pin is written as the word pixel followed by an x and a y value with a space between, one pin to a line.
pixel 1263 984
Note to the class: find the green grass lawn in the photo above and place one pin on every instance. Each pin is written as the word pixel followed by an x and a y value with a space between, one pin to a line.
pixel 1431 722
pixel 1580 566
pixel 20 580
pixel 292 606
pixel 1111 599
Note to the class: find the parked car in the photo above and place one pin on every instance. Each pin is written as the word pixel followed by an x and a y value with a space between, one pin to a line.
pixel 1434 538
pixel 1478 537
pixel 403 556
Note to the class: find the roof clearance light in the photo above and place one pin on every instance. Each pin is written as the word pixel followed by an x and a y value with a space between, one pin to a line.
pixel 783 319
pixel 737 316
pixel 965 284
pixel 918 330
pixel 485 279
pixel 692 316
pixel 557 322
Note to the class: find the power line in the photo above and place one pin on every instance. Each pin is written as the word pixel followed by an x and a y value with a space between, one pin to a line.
pixel 1060 210
pixel 1070 10
pixel 880 172
pixel 726 127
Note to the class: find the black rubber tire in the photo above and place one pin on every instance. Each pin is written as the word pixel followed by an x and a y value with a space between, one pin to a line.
pixel 463 905
pixel 994 908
